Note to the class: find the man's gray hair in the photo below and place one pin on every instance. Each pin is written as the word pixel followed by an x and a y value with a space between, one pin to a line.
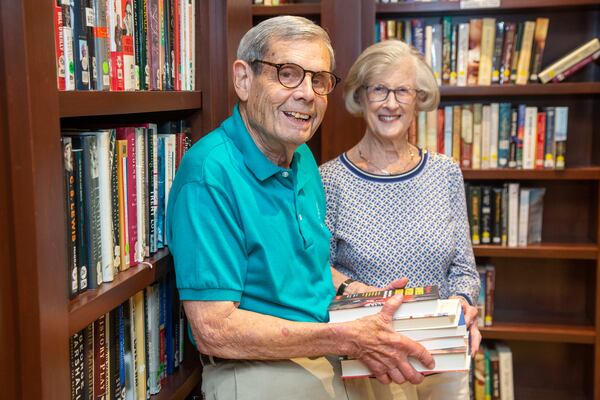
pixel 255 43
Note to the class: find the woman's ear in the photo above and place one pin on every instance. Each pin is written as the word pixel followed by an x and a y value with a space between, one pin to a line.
pixel 242 79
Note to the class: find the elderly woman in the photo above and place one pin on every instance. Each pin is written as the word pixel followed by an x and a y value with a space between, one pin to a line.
pixel 395 210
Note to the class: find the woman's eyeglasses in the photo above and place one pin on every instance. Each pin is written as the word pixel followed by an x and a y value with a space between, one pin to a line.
pixel 379 93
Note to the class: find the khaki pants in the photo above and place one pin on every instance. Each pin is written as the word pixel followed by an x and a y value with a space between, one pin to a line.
pixel 318 379
pixel 297 379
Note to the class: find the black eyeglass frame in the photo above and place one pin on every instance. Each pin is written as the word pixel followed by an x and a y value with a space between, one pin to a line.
pixel 415 91
pixel 305 71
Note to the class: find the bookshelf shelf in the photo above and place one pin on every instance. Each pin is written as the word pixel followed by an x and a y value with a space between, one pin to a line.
pixel 182 382
pixel 582 173
pixel 307 9
pixel 540 333
pixel 88 306
pixel 544 250
pixel 80 104
pixel 533 89
pixel 454 6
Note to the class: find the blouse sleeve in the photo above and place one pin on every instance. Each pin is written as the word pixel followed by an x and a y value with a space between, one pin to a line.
pixel 463 279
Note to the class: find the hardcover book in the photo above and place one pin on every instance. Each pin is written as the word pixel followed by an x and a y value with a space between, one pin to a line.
pixel 420 300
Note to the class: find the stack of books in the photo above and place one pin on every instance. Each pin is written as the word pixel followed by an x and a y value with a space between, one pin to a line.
pixel 438 324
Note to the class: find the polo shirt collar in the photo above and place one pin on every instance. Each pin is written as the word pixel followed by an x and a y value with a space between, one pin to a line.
pixel 255 160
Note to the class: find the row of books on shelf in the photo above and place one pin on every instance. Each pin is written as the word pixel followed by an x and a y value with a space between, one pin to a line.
pixel 129 352
pixel 492 372
pixel 485 51
pixel 497 135
pixel 117 184
pixel 485 301
pixel 507 215
pixel 125 44
pixel 438 324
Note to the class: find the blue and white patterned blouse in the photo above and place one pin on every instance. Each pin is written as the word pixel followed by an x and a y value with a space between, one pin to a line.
pixel 410 225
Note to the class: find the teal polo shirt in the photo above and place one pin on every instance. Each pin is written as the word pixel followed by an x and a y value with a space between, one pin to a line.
pixel 243 229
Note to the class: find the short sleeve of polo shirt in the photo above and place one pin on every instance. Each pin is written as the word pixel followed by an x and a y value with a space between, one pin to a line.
pixel 207 243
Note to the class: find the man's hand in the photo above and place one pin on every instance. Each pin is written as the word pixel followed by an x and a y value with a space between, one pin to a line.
pixel 384 351
pixel 471 322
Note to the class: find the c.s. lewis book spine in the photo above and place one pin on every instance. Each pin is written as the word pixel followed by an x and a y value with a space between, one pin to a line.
pixel 71 216
pixel 82 261
pixel 91 207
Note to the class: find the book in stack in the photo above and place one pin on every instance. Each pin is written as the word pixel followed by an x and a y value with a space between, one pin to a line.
pixel 437 324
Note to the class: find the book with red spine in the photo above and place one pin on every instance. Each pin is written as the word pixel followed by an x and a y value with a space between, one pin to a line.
pixel 576 67
pixel 60 48
pixel 541 138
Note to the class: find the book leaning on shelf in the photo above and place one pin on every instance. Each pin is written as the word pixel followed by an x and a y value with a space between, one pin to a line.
pixel 572 62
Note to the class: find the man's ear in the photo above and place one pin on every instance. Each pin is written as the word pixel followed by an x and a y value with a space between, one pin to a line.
pixel 242 79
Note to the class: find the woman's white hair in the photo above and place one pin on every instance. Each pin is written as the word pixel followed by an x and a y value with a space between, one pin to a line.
pixel 255 43
pixel 381 55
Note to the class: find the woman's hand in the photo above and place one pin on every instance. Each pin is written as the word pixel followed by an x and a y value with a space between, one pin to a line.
pixel 471 322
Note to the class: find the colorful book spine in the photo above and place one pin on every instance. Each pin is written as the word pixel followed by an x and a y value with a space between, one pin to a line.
pixel 488 40
pixel 71 212
pixel 524 62
pixel 549 140
pixel 541 137
pixel 539 43
pixel 508 49
pixel 59 45
pixel 561 120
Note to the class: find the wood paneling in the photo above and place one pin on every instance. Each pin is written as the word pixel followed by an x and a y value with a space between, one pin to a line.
pixel 344 20
pixel 37 199
pixel 10 368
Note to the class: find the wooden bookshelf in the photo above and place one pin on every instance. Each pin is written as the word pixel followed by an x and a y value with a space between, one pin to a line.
pixel 532 89
pixel 300 9
pixel 569 174
pixel 86 307
pixel 37 315
pixel 85 104
pixel 569 251
pixel 454 6
pixel 540 333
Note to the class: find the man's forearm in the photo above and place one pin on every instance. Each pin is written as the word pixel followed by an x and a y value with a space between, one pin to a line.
pixel 223 330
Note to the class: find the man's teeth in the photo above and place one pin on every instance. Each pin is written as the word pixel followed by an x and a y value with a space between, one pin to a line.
pixel 298 115
pixel 388 117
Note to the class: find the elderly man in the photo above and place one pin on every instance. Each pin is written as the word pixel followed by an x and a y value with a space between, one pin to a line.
pixel 246 229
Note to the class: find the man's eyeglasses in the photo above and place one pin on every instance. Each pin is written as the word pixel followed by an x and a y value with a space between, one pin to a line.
pixel 379 93
pixel 291 75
